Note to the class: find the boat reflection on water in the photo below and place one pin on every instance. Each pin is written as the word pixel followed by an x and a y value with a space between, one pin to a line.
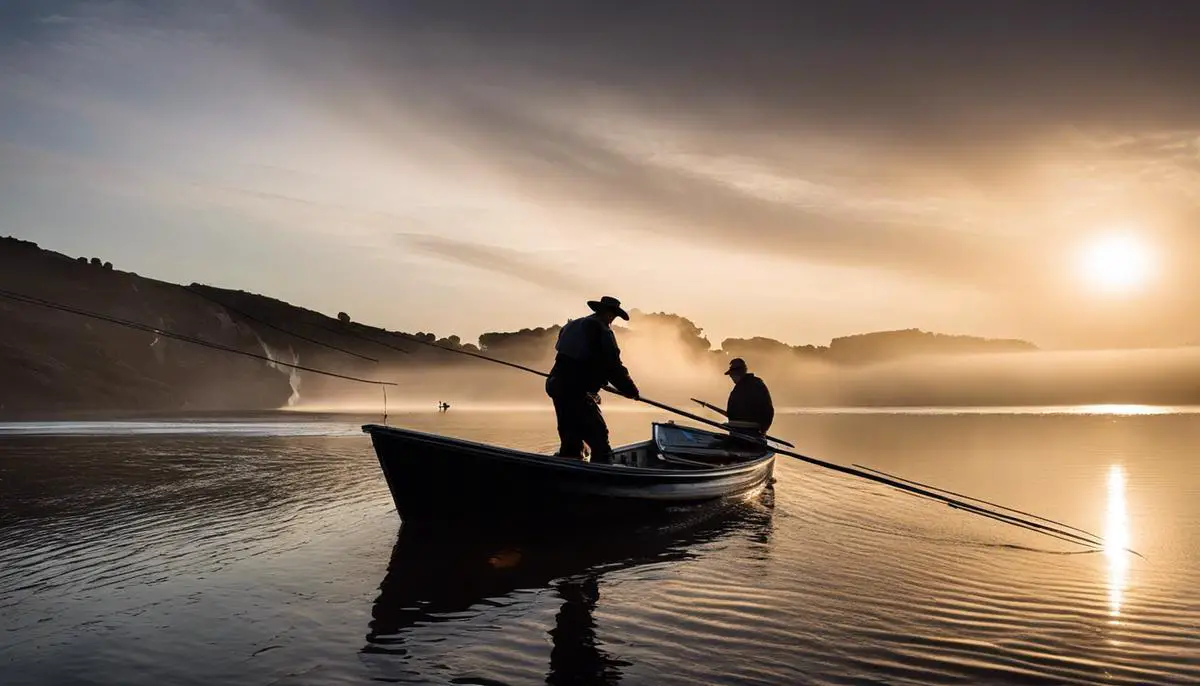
pixel 436 577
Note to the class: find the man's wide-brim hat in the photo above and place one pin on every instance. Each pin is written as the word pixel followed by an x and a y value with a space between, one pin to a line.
pixel 737 364
pixel 608 304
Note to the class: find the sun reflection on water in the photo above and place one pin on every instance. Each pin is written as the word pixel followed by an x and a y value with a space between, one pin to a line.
pixel 1116 538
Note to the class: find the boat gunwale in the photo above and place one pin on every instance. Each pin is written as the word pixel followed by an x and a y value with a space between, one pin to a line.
pixel 558 463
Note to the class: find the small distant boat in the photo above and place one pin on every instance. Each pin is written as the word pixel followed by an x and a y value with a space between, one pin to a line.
pixel 436 479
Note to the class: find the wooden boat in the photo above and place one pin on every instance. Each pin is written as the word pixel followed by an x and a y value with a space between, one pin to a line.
pixel 436 480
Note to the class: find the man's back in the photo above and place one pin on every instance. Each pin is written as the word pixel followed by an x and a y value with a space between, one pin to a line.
pixel 750 401
pixel 588 357
pixel 579 339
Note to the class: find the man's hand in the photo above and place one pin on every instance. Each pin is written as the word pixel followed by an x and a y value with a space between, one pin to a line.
pixel 595 397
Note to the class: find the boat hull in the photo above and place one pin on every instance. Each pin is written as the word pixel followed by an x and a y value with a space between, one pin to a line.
pixel 435 479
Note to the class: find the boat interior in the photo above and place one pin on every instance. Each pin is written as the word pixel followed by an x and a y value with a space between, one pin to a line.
pixel 681 447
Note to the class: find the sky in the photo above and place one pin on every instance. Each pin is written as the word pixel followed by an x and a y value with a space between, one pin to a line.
pixel 785 169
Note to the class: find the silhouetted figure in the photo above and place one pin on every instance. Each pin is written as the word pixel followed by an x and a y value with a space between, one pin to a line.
pixel 443 406
pixel 575 659
pixel 750 400
pixel 436 574
pixel 587 359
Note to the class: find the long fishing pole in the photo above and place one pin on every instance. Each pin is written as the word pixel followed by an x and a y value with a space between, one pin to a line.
pixel 1093 541
pixel 1087 539
pixel 29 300
pixel 689 415
pixel 710 406
pixel 252 318
pixel 368 339
pixel 978 500
pixel 967 507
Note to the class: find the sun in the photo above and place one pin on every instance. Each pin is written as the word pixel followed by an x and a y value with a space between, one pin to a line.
pixel 1117 263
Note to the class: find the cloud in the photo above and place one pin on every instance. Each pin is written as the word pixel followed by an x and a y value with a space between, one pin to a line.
pixel 918 72
pixel 968 148
pixel 503 261
pixel 834 136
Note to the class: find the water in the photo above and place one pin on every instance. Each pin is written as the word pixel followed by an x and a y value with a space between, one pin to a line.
pixel 265 550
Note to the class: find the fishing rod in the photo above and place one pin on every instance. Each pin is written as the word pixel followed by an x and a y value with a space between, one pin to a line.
pixel 978 500
pixel 938 494
pixel 368 339
pixel 710 406
pixel 252 318
pixel 29 300
pixel 1084 538
pixel 683 413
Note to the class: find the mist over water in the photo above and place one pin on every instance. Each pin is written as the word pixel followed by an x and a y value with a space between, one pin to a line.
pixel 669 372
pixel 265 549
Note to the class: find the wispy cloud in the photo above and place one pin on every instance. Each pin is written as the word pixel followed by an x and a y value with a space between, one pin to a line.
pixel 514 264
pixel 874 142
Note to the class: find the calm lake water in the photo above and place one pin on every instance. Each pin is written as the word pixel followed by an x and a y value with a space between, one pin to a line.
pixel 266 550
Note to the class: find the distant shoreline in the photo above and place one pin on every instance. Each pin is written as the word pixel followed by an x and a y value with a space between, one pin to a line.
pixel 315 414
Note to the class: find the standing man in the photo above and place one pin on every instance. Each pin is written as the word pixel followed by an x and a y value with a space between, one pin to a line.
pixel 588 358
pixel 749 401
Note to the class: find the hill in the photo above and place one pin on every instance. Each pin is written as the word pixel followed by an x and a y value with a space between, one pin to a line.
pixel 51 360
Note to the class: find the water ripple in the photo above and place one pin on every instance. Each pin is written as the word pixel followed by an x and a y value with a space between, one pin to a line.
pixel 266 551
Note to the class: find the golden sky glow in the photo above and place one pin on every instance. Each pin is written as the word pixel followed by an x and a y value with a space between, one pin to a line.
pixel 462 170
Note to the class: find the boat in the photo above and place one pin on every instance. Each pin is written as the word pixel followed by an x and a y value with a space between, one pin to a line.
pixel 441 480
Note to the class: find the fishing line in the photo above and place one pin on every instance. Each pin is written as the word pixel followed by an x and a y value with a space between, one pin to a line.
pixel 29 300
pixel 353 334
pixel 978 500
pixel 277 328
pixel 948 540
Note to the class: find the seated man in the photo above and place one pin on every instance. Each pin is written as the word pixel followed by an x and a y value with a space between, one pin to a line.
pixel 588 359
pixel 749 407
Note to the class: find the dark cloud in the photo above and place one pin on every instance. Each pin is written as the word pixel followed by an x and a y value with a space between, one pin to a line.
pixel 945 74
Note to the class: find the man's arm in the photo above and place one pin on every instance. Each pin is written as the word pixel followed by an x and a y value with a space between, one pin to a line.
pixel 766 408
pixel 615 370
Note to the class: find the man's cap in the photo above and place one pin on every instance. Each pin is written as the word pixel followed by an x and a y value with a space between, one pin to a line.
pixel 737 364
